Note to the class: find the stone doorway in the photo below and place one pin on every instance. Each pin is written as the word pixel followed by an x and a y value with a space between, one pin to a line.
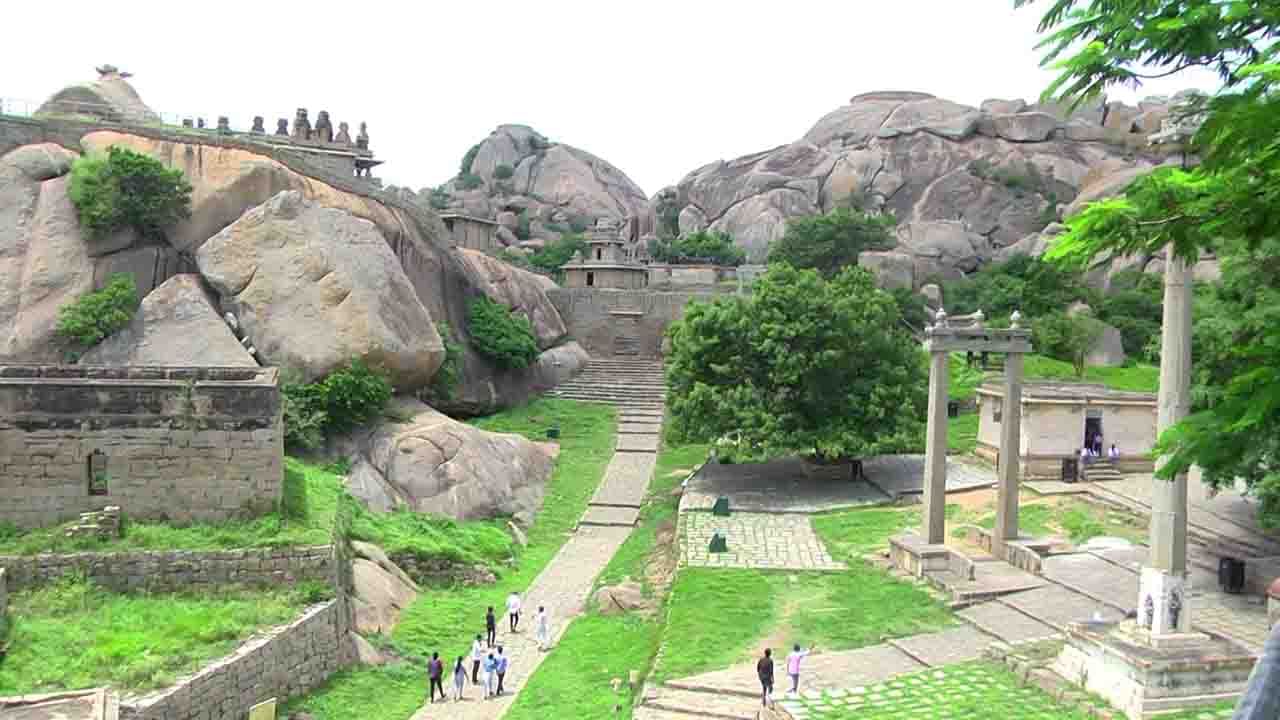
pixel 1093 430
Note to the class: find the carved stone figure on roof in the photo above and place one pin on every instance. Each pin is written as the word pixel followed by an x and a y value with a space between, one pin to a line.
pixel 323 130
pixel 301 125
pixel 344 134
pixel 258 125
pixel 362 140
pixel 282 126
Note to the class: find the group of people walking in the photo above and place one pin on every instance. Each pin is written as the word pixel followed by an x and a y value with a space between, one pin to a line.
pixel 489 662
pixel 764 669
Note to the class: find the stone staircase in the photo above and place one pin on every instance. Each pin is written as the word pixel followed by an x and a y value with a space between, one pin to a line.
pixel 1101 470
pixel 624 382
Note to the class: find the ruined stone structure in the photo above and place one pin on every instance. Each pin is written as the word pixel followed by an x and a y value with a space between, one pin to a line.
pixel 606 264
pixel 1059 418
pixel 178 443
pixel 470 232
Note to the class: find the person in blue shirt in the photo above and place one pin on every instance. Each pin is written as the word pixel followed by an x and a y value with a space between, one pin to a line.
pixel 502 668
pixel 490 675
pixel 1261 698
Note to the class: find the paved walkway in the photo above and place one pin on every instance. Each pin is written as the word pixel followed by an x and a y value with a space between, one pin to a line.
pixel 564 584
pixel 755 540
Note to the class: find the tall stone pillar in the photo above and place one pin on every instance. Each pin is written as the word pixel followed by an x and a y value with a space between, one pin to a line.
pixel 935 447
pixel 1010 455
pixel 1163 605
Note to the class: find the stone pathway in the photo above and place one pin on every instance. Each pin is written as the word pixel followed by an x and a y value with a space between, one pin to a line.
pixel 755 540
pixel 565 583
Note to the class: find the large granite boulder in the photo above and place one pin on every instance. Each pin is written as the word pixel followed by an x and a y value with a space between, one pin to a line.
pixel 519 290
pixel 892 269
pixel 546 177
pixel 175 325
pixel 1108 350
pixel 1025 127
pixel 44 259
pixel 949 242
pixel 315 287
pixel 110 97
pixel 431 463
pixel 378 597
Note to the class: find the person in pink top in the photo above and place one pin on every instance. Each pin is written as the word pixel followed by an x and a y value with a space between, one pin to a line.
pixel 793 666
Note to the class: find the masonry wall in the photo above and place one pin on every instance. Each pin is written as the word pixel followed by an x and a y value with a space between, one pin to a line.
pixel 285 662
pixel 4 593
pixel 1053 431
pixel 181 444
pixel 174 570
pixel 598 319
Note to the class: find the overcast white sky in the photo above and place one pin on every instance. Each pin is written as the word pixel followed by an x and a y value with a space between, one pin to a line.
pixel 658 88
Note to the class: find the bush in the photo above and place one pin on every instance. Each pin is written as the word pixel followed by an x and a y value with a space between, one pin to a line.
pixel 127 189
pixel 449 376
pixel 707 246
pixel 94 316
pixel 829 243
pixel 522 231
pixel 440 198
pixel 557 252
pixel 343 400
pixel 1031 285
pixel 468 181
pixel 1066 337
pixel 500 335
pixel 503 171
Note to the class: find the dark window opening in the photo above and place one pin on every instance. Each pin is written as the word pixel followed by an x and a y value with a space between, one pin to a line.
pixel 591 279
pixel 997 410
pixel 98 479
pixel 599 253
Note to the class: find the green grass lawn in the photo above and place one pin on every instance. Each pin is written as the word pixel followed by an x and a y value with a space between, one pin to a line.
pixel 574 681
pixel 444 619
pixel 969 691
pixel 309 501
pixel 962 433
pixel 73 635
pixel 719 617
pixel 1073 518
pixel 1136 378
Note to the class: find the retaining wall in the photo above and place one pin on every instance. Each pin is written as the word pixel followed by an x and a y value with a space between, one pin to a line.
pixel 602 320
pixel 174 570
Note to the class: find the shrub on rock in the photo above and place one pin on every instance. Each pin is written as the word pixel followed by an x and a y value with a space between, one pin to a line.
pixel 127 189
pixel 500 335
pixel 94 316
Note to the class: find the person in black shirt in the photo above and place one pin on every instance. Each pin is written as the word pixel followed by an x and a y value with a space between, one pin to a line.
pixel 764 669
pixel 435 672
pixel 491 625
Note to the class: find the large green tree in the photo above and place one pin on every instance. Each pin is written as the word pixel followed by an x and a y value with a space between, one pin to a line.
pixel 829 243
pixel 802 366
pixel 1228 202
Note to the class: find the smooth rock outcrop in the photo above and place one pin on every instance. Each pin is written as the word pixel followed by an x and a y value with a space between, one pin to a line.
pixel 519 290
pixel 892 269
pixel 378 597
pixel 431 463
pixel 1025 126
pixel 110 97
pixel 175 325
pixel 1108 350
pixel 315 287
pixel 624 597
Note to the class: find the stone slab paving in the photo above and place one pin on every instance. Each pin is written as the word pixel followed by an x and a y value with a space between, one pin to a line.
pixel 638 443
pixel 823 670
pixel 563 587
pixel 755 540
pixel 945 647
pixel 788 486
pixel 642 428
pixel 991 577
pixel 1091 575
pixel 1056 487
pixel 1006 623
pixel 898 475
pixel 608 515
pixel 1057 606
pixel 1242 618
pixel 1229 514
pixel 626 480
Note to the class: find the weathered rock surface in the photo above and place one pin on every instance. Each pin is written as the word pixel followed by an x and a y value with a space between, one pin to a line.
pixel 1108 351
pixel 892 269
pixel 434 464
pixel 175 325
pixel 551 181
pixel 1002 171
pixel 519 290
pixel 366 653
pixel 110 97
pixel 315 287
pixel 378 556
pixel 378 597
pixel 621 598
pixel 44 261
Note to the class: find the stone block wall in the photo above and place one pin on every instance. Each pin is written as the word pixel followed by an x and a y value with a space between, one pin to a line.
pixel 182 444
pixel 599 318
pixel 283 663
pixel 173 570
pixel 4 594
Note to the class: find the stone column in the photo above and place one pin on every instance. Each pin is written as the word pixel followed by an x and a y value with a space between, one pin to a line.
pixel 1010 455
pixel 935 450
pixel 1163 600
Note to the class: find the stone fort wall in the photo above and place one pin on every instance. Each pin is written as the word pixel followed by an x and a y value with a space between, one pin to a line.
pixel 606 322
pixel 182 444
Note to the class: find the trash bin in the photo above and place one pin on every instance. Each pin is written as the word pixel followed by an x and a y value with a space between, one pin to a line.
pixel 553 433
pixel 1231 575
pixel 1070 470
pixel 953 409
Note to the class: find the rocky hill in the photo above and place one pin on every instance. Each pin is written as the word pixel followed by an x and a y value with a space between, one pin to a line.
pixel 967 184
pixel 537 189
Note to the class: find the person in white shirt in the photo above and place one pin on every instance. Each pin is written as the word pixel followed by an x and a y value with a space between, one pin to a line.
pixel 1084 455
pixel 542 627
pixel 477 656
pixel 513 610
pixel 793 666
pixel 1114 453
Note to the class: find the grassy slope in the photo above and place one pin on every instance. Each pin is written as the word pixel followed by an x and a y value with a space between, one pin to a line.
pixel 719 616
pixel 443 619
pixel 72 635
pixel 574 681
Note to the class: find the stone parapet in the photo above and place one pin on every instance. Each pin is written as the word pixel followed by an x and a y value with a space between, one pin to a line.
pixel 282 663
pixel 173 570
pixel 176 444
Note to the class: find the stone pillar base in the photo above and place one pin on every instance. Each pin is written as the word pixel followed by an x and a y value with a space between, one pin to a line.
pixel 1163 602
pixel 1144 675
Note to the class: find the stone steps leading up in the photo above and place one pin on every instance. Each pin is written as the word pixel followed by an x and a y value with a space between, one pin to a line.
pixel 697 704
pixel 610 516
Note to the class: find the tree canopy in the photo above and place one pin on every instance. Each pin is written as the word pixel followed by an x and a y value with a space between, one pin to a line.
pixel 1227 202
pixel 829 243
pixel 802 366
pixel 707 246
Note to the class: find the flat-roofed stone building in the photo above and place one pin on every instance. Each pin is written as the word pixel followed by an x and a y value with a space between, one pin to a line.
pixel 472 233
pixel 605 264
pixel 1059 418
